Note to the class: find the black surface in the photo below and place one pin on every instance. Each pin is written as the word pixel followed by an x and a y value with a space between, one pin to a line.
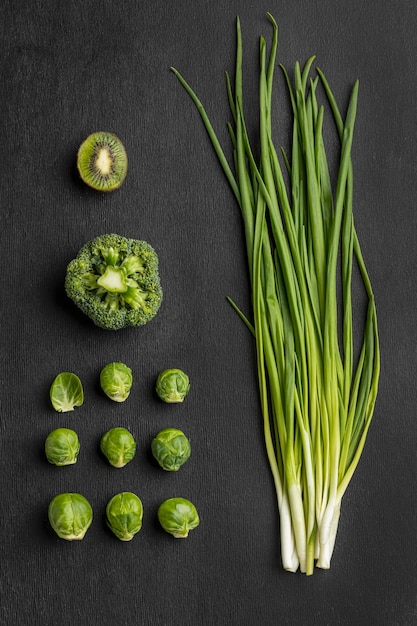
pixel 73 67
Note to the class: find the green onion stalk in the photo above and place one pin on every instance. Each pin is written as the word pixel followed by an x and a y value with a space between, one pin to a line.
pixel 317 390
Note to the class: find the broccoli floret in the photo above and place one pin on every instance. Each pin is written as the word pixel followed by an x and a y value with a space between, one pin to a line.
pixel 115 281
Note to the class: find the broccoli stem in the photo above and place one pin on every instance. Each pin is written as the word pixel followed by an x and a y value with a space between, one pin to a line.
pixel 113 280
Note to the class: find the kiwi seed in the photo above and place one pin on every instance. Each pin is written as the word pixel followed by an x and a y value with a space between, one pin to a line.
pixel 102 161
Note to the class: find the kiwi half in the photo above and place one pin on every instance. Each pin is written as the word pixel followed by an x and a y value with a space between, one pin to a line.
pixel 102 161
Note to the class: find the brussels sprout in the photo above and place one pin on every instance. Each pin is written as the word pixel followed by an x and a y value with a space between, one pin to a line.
pixel 172 385
pixel 178 516
pixel 70 515
pixel 62 447
pixel 116 381
pixel 124 513
pixel 119 446
pixel 66 392
pixel 171 449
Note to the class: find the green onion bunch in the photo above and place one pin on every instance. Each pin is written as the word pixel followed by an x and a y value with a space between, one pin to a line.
pixel 317 390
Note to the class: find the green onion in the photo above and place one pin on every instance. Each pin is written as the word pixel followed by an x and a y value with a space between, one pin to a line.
pixel 317 389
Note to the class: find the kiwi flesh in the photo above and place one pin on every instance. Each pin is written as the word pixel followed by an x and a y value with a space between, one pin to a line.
pixel 102 161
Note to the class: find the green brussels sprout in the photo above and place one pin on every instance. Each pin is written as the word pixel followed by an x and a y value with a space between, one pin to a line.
pixel 171 449
pixel 124 514
pixel 172 385
pixel 62 447
pixel 66 392
pixel 119 446
pixel 70 515
pixel 178 516
pixel 116 381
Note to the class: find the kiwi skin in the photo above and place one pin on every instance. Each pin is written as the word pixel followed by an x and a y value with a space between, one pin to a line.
pixel 102 161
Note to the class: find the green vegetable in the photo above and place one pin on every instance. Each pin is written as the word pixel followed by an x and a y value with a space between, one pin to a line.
pixel 178 516
pixel 70 515
pixel 118 446
pixel 66 392
pixel 62 447
pixel 317 390
pixel 124 514
pixel 115 281
pixel 171 449
pixel 172 385
pixel 116 381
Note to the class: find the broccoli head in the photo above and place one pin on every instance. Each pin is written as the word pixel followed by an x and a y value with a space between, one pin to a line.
pixel 115 281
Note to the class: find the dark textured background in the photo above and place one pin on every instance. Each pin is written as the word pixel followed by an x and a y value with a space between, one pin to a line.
pixel 68 68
